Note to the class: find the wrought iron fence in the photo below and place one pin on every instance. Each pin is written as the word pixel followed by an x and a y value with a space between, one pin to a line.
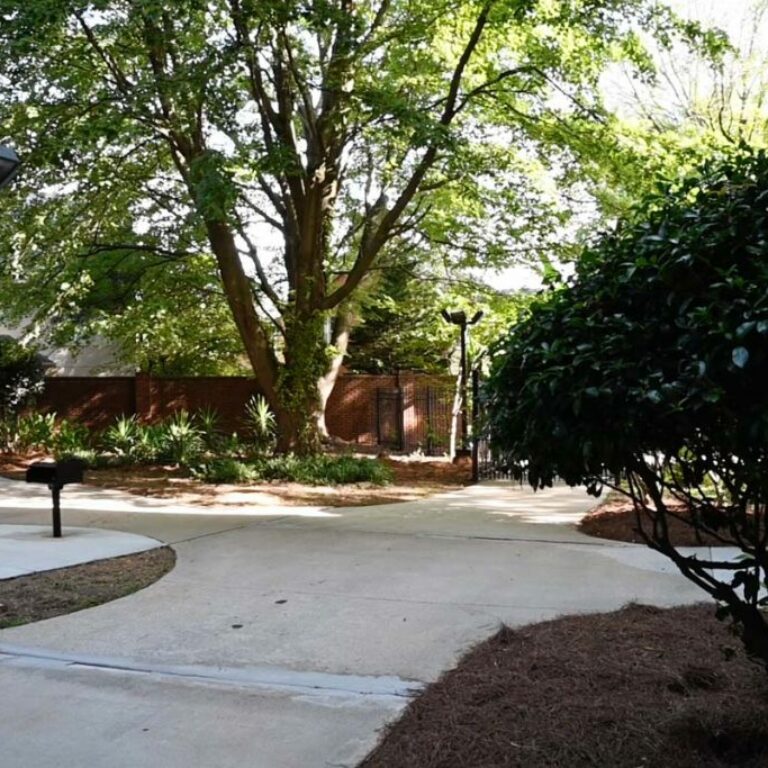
pixel 487 463
pixel 389 419
pixel 420 421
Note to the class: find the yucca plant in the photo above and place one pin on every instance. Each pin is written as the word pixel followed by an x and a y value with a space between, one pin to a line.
pixel 260 421
pixel 183 439
pixel 150 443
pixel 208 421
pixel 122 437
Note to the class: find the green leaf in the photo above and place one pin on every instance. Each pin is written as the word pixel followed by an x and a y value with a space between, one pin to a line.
pixel 740 356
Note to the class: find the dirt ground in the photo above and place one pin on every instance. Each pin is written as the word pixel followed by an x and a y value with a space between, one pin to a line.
pixel 43 595
pixel 641 687
pixel 413 479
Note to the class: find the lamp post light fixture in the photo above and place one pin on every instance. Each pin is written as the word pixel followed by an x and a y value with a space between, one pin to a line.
pixel 9 165
pixel 460 318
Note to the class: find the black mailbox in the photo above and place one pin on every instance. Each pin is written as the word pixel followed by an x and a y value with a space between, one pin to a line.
pixel 56 474
pixel 59 473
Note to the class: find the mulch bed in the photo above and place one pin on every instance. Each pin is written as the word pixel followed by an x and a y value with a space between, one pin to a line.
pixel 44 595
pixel 615 519
pixel 641 687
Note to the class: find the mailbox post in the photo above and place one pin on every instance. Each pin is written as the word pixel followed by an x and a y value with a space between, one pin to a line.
pixel 56 474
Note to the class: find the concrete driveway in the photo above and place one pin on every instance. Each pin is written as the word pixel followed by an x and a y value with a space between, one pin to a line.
pixel 288 637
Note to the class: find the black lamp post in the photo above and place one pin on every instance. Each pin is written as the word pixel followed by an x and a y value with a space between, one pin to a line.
pixel 460 318
pixel 9 165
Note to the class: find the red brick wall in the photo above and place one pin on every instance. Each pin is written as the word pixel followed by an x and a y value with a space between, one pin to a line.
pixel 351 413
pixel 351 410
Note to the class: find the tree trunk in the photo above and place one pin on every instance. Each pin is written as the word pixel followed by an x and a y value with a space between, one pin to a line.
pixel 237 290
pixel 298 399
pixel 327 382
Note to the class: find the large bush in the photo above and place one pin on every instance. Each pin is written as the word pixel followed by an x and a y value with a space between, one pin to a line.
pixel 652 367
pixel 21 375
pixel 21 378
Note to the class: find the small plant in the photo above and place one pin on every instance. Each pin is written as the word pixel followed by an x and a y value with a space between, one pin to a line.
pixel 183 439
pixel 232 446
pixel 150 443
pixel 35 431
pixel 70 439
pixel 88 456
pixel 208 421
pixel 225 471
pixel 260 421
pixel 122 437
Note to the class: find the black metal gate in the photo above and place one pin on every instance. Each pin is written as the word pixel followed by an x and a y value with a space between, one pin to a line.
pixel 419 421
pixel 431 431
pixel 389 418
pixel 487 464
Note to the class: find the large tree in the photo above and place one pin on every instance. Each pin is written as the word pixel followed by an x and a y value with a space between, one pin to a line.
pixel 694 105
pixel 293 148
pixel 648 374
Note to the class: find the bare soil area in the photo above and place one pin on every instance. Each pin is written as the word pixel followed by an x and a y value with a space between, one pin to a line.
pixel 641 687
pixel 413 480
pixel 52 593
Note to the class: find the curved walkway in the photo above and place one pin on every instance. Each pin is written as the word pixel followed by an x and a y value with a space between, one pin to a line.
pixel 288 637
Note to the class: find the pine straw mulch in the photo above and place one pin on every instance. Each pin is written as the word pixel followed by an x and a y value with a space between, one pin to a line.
pixel 413 480
pixel 615 519
pixel 44 595
pixel 638 688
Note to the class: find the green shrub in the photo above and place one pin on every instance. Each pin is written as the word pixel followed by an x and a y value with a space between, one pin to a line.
pixel 651 366
pixel 8 432
pixel 182 439
pixel 70 439
pixel 232 446
pixel 324 470
pixel 225 471
pixel 177 440
pixel 88 456
pixel 21 376
pixel 122 437
pixel 311 470
pixel 35 432
pixel 149 445
pixel 207 419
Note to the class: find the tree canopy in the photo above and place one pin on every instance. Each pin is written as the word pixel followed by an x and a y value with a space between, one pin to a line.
pixel 692 104
pixel 647 373
pixel 273 157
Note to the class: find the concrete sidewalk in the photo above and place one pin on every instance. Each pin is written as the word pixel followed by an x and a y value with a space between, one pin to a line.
pixel 26 549
pixel 287 638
